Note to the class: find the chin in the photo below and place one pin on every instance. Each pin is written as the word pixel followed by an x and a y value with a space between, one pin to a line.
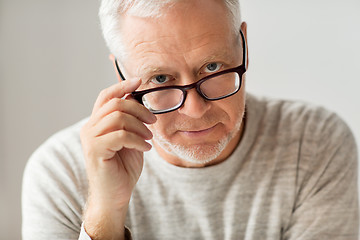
pixel 196 150
pixel 198 154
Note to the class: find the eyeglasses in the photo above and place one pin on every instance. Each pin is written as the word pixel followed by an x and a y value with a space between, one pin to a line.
pixel 213 87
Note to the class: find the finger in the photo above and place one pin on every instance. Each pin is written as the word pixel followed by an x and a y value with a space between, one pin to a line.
pixel 121 121
pixel 129 107
pixel 118 90
pixel 115 141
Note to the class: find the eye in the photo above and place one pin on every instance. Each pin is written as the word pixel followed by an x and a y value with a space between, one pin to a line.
pixel 213 67
pixel 160 79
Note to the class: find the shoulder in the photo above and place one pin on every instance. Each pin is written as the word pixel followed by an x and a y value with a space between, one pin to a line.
pixel 54 186
pixel 61 149
pixel 312 139
pixel 299 118
pixel 316 138
pixel 58 162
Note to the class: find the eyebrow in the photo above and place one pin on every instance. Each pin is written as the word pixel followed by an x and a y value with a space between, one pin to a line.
pixel 224 55
pixel 150 70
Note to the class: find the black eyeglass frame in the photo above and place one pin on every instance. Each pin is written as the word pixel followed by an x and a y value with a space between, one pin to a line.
pixel 240 70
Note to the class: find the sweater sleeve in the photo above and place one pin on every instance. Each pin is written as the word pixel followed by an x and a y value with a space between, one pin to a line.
pixel 326 205
pixel 54 191
pixel 85 236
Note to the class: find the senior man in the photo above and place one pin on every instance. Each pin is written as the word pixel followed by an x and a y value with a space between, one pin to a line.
pixel 221 164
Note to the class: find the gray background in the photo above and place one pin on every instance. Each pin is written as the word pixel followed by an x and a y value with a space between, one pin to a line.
pixel 53 63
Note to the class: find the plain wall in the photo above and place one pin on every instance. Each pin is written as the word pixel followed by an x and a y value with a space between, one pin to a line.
pixel 53 63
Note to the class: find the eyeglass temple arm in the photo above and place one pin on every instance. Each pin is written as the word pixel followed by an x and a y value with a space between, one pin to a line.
pixel 119 71
pixel 244 50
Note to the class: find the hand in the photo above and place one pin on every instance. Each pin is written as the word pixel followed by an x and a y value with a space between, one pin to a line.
pixel 113 142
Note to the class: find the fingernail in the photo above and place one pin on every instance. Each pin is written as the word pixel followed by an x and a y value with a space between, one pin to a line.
pixel 149 135
pixel 148 147
pixel 153 118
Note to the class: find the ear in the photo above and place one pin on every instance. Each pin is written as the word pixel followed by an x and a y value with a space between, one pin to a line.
pixel 113 59
pixel 244 30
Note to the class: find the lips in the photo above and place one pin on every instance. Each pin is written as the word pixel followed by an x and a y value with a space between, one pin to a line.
pixel 198 133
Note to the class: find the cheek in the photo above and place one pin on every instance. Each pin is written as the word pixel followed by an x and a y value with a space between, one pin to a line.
pixel 162 125
pixel 234 108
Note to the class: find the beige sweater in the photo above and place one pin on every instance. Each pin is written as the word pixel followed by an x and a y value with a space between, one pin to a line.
pixel 293 176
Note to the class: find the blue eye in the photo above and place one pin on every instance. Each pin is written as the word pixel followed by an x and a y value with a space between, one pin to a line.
pixel 213 67
pixel 159 79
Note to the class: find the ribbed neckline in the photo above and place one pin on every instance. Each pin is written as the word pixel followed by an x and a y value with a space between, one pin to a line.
pixel 225 168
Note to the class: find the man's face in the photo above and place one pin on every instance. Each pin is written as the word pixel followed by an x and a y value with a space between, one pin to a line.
pixel 194 39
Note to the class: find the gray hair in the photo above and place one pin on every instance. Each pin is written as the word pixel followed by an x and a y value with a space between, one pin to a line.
pixel 111 10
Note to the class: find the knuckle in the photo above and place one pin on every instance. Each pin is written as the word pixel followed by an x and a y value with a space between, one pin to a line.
pixel 114 102
pixel 122 134
pixel 104 93
pixel 117 103
pixel 119 116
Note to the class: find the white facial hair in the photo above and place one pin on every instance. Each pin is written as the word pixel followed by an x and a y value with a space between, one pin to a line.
pixel 198 154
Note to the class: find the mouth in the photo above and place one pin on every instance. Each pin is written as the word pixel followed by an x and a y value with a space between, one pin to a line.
pixel 198 133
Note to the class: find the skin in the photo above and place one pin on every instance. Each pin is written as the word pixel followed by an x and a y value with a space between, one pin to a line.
pixel 179 44
pixel 181 47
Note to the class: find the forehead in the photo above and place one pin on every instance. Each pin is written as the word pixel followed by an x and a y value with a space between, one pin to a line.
pixel 195 30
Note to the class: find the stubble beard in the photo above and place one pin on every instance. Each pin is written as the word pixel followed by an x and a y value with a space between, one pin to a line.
pixel 199 154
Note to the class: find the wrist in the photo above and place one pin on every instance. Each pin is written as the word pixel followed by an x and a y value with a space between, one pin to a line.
pixel 104 223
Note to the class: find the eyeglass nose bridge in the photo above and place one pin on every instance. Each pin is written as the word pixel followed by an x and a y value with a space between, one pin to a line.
pixel 186 88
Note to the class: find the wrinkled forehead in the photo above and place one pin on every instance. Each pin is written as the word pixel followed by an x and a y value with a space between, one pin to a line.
pixel 183 28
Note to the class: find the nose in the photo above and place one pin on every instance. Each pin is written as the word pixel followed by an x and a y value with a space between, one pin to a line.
pixel 194 106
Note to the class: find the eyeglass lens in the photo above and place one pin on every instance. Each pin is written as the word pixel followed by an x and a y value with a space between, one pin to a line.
pixel 163 99
pixel 212 89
